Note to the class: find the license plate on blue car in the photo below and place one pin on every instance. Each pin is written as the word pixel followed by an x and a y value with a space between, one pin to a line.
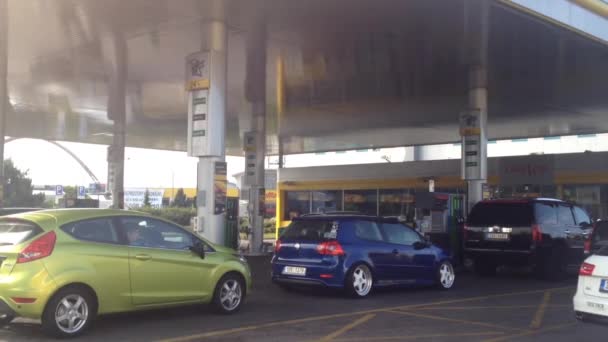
pixel 291 270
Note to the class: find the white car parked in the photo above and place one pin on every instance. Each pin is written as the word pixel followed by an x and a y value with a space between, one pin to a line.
pixel 591 298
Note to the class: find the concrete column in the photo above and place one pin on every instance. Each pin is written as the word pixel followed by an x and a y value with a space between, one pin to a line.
pixel 115 49
pixel 212 223
pixel 256 93
pixel 477 37
pixel 4 101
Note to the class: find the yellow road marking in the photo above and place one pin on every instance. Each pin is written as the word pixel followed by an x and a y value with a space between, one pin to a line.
pixel 356 313
pixel 531 332
pixel 454 320
pixel 347 328
pixel 413 337
pixel 503 307
pixel 537 321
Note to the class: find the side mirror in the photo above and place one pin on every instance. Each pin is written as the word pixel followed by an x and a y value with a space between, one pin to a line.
pixel 198 249
pixel 418 245
pixel 586 225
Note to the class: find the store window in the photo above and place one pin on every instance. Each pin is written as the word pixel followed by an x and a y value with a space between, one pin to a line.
pixel 397 202
pixel 362 201
pixel 297 203
pixel 325 201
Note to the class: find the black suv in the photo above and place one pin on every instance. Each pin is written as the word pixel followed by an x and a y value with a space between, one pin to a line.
pixel 548 234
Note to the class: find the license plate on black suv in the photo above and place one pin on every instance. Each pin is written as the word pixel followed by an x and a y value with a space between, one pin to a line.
pixel 497 236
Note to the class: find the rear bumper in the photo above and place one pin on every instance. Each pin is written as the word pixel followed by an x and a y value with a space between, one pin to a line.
pixel 587 304
pixel 312 277
pixel 590 305
pixel 5 309
pixel 502 256
pixel 30 280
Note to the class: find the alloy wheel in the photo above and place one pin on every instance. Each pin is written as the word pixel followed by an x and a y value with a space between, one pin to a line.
pixel 71 313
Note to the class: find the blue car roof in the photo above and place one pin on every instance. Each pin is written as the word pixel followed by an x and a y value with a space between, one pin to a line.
pixel 337 217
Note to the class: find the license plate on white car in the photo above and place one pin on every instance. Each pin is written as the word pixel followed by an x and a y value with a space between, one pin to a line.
pixel 290 270
pixel 604 286
pixel 497 236
pixel 596 306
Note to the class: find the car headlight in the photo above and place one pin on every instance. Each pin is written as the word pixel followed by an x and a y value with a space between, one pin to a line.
pixel 241 258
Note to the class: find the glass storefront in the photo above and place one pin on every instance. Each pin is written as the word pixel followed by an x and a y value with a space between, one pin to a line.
pixel 325 201
pixel 397 202
pixel 297 203
pixel 362 201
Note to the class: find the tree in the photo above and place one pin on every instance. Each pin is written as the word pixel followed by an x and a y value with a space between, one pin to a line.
pixel 180 199
pixel 18 189
pixel 147 199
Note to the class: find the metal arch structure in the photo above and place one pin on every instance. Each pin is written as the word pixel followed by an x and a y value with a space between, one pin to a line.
pixel 70 153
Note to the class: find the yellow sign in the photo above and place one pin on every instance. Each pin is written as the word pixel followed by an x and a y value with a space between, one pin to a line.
pixel 470 131
pixel 197 84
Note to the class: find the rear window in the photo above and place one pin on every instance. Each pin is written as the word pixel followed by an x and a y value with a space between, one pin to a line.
pixel 16 232
pixel 311 230
pixel 504 214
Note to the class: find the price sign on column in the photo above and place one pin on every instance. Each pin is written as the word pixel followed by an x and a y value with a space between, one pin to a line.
pixel 470 131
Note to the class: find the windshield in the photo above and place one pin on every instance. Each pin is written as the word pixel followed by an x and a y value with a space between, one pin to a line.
pixel 311 230
pixel 15 232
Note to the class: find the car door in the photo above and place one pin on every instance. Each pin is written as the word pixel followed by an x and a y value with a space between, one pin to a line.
pixel 572 232
pixel 409 264
pixel 99 249
pixel 371 241
pixel 162 267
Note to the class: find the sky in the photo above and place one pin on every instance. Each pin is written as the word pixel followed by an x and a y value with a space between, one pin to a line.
pixel 49 165
pixel 145 168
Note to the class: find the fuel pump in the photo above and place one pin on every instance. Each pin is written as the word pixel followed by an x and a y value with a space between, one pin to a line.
pixel 440 217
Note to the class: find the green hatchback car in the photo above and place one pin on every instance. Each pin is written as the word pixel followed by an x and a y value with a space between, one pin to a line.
pixel 67 266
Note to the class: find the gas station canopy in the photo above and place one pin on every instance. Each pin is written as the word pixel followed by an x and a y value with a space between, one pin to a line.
pixel 341 74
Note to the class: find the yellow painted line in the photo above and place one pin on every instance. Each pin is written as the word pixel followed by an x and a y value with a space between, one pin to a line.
pixel 531 332
pixel 454 320
pixel 347 328
pixel 537 321
pixel 502 307
pixel 414 337
pixel 356 313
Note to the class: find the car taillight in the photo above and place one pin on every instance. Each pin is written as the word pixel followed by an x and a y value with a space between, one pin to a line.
pixel 537 233
pixel 277 246
pixel 330 248
pixel 586 269
pixel 588 240
pixel 40 248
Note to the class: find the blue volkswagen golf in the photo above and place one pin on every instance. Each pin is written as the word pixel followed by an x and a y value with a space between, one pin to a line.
pixel 357 253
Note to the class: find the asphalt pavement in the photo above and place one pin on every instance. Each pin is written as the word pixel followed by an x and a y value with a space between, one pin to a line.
pixel 513 306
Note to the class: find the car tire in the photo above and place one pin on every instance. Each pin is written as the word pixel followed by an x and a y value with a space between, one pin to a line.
pixel 445 276
pixel 580 316
pixel 70 312
pixel 6 319
pixel 359 281
pixel 552 266
pixel 229 294
pixel 485 268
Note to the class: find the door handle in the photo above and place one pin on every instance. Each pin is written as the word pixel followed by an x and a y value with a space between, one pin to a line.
pixel 567 231
pixel 143 257
pixel 395 251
